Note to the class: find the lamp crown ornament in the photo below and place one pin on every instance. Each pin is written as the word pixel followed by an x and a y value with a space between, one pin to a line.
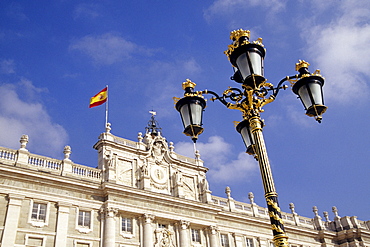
pixel 301 64
pixel 237 34
pixel 188 84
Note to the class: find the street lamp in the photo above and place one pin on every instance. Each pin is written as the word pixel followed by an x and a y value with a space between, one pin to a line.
pixel 247 60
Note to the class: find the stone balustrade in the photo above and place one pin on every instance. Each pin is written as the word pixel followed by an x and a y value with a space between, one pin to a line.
pixel 8 154
pixel 86 172
pixel 46 164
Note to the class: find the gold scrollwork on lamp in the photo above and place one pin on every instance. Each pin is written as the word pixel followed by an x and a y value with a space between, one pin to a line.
pixel 255 92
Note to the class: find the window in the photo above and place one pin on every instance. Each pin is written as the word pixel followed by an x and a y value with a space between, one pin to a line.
pixel 126 225
pixel 84 219
pixel 38 212
pixel 38 215
pixel 35 241
pixel 80 243
pixel 249 242
pixel 224 240
pixel 195 235
pixel 162 226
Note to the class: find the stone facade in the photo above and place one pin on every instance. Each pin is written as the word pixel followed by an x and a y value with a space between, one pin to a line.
pixel 142 194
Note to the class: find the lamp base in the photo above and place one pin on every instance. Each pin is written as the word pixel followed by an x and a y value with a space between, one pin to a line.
pixel 254 80
pixel 316 111
pixel 193 130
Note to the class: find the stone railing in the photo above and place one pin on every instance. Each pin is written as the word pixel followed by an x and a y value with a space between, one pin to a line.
pixel 241 207
pixel 86 172
pixel 44 162
pixel 184 158
pixel 125 142
pixel 9 155
pixel 66 167
pixel 252 209
pixel 260 212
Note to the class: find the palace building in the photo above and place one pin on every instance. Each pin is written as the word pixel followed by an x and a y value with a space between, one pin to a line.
pixel 142 194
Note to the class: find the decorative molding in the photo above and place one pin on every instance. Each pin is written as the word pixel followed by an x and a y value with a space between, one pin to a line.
pixel 148 218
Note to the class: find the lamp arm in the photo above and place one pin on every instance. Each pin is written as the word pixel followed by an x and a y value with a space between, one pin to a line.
pixel 287 78
pixel 217 97
pixel 234 94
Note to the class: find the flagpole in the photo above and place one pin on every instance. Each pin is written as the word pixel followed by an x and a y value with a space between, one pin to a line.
pixel 106 110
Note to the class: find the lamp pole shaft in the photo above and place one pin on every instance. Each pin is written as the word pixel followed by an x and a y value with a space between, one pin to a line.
pixel 277 225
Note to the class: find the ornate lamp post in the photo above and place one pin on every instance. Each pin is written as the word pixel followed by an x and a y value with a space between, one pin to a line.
pixel 247 60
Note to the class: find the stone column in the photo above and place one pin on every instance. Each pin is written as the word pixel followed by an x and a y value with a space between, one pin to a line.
pixel 62 225
pixel 213 236
pixel 184 233
pixel 11 221
pixel 110 227
pixel 148 230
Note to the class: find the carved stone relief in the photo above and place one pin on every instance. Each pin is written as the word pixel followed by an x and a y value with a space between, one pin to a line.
pixel 164 238
pixel 124 172
pixel 189 187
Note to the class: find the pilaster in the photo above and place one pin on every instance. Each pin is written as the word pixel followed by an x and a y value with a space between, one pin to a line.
pixel 145 176
pixel 205 192
pixel 62 224
pixel 238 240
pixel 178 184
pixel 11 221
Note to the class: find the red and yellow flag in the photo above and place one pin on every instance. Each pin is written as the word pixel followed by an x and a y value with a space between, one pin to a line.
pixel 99 98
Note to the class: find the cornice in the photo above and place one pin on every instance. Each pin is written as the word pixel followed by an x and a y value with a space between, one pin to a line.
pixel 145 195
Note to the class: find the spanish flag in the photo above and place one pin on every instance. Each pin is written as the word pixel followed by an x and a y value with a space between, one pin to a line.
pixel 99 98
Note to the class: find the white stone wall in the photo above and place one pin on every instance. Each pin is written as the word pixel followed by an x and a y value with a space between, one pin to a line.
pixel 166 201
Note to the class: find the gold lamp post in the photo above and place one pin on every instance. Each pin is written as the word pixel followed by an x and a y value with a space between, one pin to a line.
pixel 247 60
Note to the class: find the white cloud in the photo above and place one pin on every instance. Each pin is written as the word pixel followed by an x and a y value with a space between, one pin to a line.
pixel 340 48
pixel 218 156
pixel 20 116
pixel 105 49
pixel 86 10
pixel 7 66
pixel 16 11
pixel 168 77
pixel 232 7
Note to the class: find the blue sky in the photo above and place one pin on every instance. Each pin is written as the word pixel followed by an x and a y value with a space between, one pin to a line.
pixel 55 55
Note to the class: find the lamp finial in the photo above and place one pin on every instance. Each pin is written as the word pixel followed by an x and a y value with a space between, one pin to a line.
pixel 301 64
pixel 188 83
pixel 236 34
